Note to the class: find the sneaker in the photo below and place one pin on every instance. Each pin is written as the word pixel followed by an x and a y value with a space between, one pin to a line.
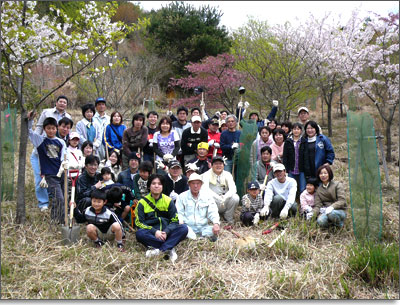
pixel 44 209
pixel 99 243
pixel 213 238
pixel 153 252
pixel 191 234
pixel 121 247
pixel 173 255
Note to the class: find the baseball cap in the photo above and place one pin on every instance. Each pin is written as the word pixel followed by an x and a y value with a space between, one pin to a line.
pixel 253 185
pixel 174 163
pixel 218 158
pixel 278 167
pixel 203 145
pixel 100 100
pixel 214 121
pixel 195 118
pixel 195 176
pixel 302 108
pixel 73 135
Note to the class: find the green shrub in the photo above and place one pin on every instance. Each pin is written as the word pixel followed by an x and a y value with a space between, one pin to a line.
pixel 376 264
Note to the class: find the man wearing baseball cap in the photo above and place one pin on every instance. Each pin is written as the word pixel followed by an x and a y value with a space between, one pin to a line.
pixel 102 119
pixel 191 137
pixel 198 210
pixel 214 138
pixel 175 182
pixel 303 118
pixel 280 195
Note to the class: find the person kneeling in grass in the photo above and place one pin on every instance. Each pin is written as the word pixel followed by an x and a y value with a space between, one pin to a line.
pixel 102 224
pixel 196 208
pixel 252 204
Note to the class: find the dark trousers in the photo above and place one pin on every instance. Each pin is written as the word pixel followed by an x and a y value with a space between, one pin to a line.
pixel 278 203
pixel 247 218
pixel 148 239
pixel 55 192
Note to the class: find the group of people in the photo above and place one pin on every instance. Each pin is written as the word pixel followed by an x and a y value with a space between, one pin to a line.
pixel 172 178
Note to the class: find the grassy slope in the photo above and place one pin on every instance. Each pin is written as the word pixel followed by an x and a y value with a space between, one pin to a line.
pixel 306 263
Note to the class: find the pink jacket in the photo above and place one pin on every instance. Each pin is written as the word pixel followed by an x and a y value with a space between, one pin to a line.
pixel 306 199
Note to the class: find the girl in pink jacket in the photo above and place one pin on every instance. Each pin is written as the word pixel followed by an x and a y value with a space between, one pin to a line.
pixel 307 198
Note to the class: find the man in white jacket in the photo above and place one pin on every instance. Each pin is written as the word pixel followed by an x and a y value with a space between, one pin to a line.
pixel 220 185
pixel 280 194
pixel 196 209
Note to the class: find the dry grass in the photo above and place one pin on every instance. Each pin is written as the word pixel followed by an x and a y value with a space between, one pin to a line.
pixel 307 263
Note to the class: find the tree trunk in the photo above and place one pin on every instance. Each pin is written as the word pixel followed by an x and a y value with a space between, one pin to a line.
pixel 323 121
pixel 389 143
pixel 341 101
pixel 1 155
pixel 22 155
pixel 329 118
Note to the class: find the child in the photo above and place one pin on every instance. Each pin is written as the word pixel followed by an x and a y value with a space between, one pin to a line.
pixel 119 198
pixel 51 151
pixel 74 154
pixel 252 203
pixel 277 147
pixel 87 149
pixel 141 179
pixel 106 177
pixel 102 224
pixel 307 198
pixel 201 161
pixel 88 129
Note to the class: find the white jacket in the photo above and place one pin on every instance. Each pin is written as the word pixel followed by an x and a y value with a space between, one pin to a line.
pixel 226 184
pixel 196 212
pixel 81 130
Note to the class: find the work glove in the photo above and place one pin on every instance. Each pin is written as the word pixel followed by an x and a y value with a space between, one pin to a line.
pixel 225 159
pixel 246 203
pixel 309 215
pixel 240 105
pixel 322 210
pixel 202 104
pixel 211 142
pixel 216 145
pixel 256 219
pixel 160 165
pixel 218 114
pixel 264 211
pixel 193 166
pixel 60 172
pixel 262 187
pixel 308 209
pixel 169 113
pixel 328 210
pixel 174 195
pixel 275 103
pixel 284 213
pixel 43 183
pixel 151 143
pixel 167 157
pixel 235 146
pixel 65 164
pixel 247 105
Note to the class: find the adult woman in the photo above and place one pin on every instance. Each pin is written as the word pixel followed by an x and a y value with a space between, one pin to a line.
pixel 134 139
pixel 330 200
pixel 291 156
pixel 113 132
pixel 87 149
pixel 277 147
pixel 113 162
pixel 287 127
pixel 166 142
pixel 88 129
pixel 316 150
pixel 156 217
pixel 264 167
pixel 272 124
pixel 263 140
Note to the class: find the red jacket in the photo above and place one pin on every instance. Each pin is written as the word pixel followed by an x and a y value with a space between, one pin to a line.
pixel 215 137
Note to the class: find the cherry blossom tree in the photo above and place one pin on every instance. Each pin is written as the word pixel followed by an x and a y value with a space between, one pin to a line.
pixel 369 57
pixel 218 78
pixel 28 39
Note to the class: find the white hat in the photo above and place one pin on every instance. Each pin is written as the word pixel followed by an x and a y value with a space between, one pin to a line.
pixel 278 167
pixel 195 119
pixel 302 108
pixel 73 135
pixel 195 176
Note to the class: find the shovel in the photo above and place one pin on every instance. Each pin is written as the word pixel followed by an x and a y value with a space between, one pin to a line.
pixel 71 233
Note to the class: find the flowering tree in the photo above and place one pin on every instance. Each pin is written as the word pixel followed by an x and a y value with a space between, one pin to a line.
pixel 370 58
pixel 218 78
pixel 28 39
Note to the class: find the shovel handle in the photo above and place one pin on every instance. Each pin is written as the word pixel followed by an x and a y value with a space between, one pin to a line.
pixel 271 229
pixel 72 208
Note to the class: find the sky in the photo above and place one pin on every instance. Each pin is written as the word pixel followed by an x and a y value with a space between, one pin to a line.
pixel 236 13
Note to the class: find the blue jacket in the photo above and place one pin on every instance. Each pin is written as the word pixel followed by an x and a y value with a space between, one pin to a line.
pixel 324 153
pixel 111 138
pixel 125 178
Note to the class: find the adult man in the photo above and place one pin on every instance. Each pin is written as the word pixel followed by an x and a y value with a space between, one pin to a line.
pixel 87 182
pixel 201 161
pixel 229 141
pixel 126 177
pixel 191 137
pixel 280 194
pixel 102 119
pixel 180 123
pixel 220 185
pixel 152 117
pixel 303 118
pixel 196 209
pixel 214 137
pixel 174 182
pixel 58 113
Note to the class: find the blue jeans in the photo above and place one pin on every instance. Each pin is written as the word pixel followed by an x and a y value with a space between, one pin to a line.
pixel 148 239
pixel 228 166
pixel 41 193
pixel 301 182
pixel 336 218
pixel 55 186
